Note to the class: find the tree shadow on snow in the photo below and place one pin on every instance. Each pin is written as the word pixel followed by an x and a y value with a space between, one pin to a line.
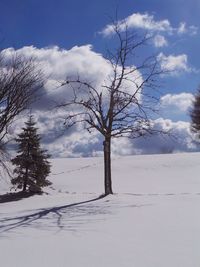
pixel 66 217
pixel 9 197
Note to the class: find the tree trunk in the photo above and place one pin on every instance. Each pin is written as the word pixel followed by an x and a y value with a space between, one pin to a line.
pixel 27 168
pixel 107 166
pixel 25 180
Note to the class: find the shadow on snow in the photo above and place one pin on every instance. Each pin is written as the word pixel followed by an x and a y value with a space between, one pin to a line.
pixel 67 217
pixel 9 197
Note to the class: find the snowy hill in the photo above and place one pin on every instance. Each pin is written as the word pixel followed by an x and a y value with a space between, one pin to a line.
pixel 152 220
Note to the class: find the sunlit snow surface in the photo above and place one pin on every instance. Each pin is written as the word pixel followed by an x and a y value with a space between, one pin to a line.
pixel 152 220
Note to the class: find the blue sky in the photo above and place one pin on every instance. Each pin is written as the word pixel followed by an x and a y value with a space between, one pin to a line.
pixel 68 23
pixel 175 26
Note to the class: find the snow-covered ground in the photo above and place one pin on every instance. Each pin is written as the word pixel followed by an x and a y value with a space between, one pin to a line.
pixel 152 220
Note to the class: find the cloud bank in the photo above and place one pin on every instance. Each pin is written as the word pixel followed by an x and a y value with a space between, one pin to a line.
pixel 77 142
pixel 180 139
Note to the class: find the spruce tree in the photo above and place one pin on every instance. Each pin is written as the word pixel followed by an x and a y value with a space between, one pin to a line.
pixel 195 114
pixel 32 165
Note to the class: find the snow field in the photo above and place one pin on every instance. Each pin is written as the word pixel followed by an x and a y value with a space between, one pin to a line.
pixel 152 220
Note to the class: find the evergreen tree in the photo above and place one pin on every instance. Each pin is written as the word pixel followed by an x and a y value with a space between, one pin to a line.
pixel 32 165
pixel 195 114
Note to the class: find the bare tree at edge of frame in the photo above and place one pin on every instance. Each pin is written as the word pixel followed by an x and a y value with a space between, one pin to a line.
pixel 112 109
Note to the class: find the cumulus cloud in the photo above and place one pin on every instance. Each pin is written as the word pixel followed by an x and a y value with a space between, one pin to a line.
pixel 147 22
pixel 140 21
pixel 174 63
pixel 76 142
pixel 79 144
pixel 180 139
pixel 178 102
pixel 58 64
pixel 160 41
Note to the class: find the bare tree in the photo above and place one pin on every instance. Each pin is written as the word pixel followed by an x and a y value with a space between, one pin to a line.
pixel 19 83
pixel 122 105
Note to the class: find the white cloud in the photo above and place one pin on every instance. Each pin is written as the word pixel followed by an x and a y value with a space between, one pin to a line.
pixel 60 62
pixel 160 41
pixel 140 21
pixel 180 139
pixel 178 102
pixel 77 141
pixel 57 65
pixel 183 29
pixel 173 63
pixel 147 22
